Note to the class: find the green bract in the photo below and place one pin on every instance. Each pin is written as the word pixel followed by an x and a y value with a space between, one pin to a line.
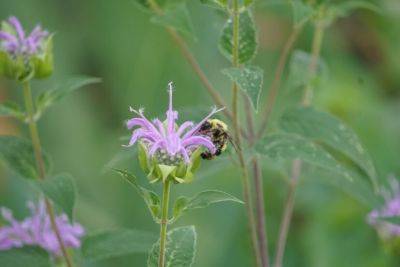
pixel 156 171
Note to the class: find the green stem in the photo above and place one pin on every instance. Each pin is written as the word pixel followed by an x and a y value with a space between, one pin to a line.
pixel 164 222
pixel 37 148
pixel 238 137
pixel 297 164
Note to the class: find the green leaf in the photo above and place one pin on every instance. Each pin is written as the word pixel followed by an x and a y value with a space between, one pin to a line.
pixel 302 12
pixel 393 219
pixel 61 190
pixel 180 248
pixel 284 147
pixel 218 4
pixel 201 200
pixel 50 97
pixel 12 109
pixel 247 38
pixel 25 256
pixel 151 199
pixel 299 76
pixel 249 80
pixel 115 243
pixel 322 127
pixel 345 8
pixel 18 154
pixel 177 17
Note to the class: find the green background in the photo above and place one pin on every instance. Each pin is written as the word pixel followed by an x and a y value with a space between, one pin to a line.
pixel 114 40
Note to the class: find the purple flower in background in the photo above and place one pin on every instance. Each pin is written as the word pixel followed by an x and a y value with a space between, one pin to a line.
pixel 167 141
pixel 36 230
pixel 391 208
pixel 14 40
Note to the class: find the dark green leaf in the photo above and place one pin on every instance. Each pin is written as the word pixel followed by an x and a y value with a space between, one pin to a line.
pixel 249 80
pixel 115 243
pixel 152 199
pixel 180 248
pixel 201 200
pixel 18 154
pixel 393 219
pixel 288 147
pixel 25 256
pixel 12 109
pixel 322 127
pixel 177 17
pixel 61 190
pixel 50 97
pixel 345 8
pixel 247 38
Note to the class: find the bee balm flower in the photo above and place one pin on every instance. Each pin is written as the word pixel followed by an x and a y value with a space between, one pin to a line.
pixel 166 149
pixel 36 230
pixel 24 56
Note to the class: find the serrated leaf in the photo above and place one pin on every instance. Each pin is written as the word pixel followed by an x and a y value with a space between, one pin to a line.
pixel 177 17
pixel 12 109
pixel 18 154
pixel 61 190
pixel 322 127
pixel 302 12
pixel 50 97
pixel 25 256
pixel 247 38
pixel 180 248
pixel 115 243
pixel 249 80
pixel 299 75
pixel 201 200
pixel 151 199
pixel 288 147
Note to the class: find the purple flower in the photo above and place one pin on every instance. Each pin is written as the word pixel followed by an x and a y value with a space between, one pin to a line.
pixel 14 41
pixel 36 230
pixel 169 143
pixel 391 208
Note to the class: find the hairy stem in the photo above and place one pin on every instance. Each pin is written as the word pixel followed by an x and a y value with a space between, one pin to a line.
pixel 296 165
pixel 164 222
pixel 274 89
pixel 238 137
pixel 37 148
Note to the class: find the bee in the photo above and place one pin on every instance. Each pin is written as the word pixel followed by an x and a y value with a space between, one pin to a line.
pixel 218 133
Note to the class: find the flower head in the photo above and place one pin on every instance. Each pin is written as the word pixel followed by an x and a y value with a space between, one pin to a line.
pixel 167 142
pixel 22 55
pixel 36 230
pixel 391 208
pixel 15 41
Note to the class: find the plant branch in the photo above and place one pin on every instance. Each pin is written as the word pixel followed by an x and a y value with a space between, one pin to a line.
pixel 274 89
pixel 37 148
pixel 297 164
pixel 164 222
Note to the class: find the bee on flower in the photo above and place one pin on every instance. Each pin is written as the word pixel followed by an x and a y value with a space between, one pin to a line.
pixel 167 149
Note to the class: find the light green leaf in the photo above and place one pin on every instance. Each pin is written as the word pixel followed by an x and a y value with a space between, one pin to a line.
pixel 12 109
pixel 250 81
pixel 151 199
pixel 18 154
pixel 247 38
pixel 201 200
pixel 50 97
pixel 61 190
pixel 345 8
pixel 299 76
pixel 302 12
pixel 177 17
pixel 115 243
pixel 288 147
pixel 320 126
pixel 180 248
pixel 218 4
pixel 25 256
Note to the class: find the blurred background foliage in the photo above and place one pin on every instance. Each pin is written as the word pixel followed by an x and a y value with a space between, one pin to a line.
pixel 114 40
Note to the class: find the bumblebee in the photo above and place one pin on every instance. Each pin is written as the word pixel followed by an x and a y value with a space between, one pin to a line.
pixel 217 131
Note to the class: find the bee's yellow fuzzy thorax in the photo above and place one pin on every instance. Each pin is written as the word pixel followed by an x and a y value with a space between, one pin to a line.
pixel 215 123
